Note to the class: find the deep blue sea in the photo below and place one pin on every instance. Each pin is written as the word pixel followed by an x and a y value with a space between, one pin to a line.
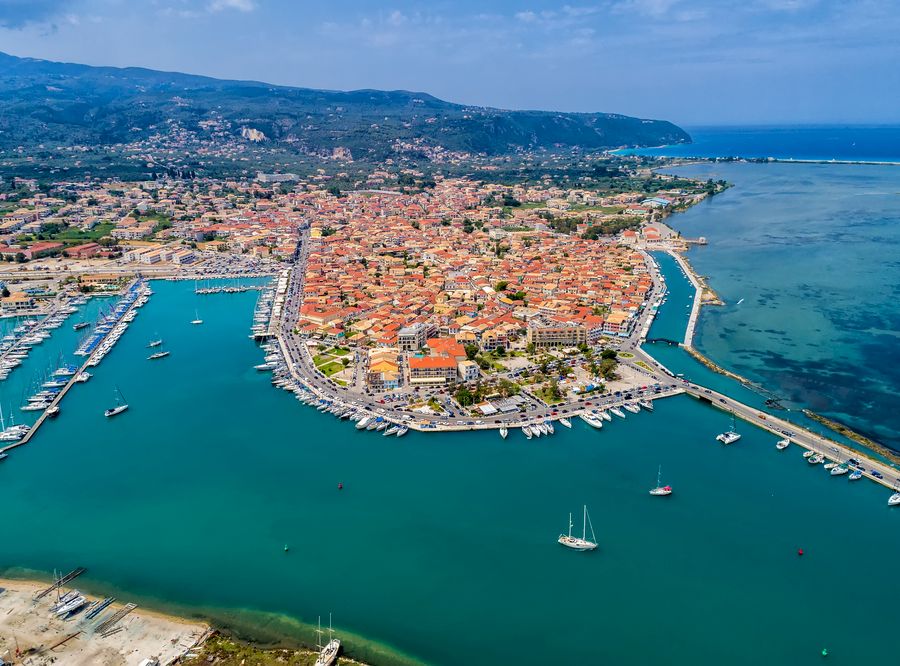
pixel 841 143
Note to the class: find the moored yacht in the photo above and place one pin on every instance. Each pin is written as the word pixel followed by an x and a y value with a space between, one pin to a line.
pixel 592 421
pixel 402 430
pixel 504 432
pixel 583 543
pixel 565 422
pixel 894 500
pixel 631 407
pixel 646 404
pixel 617 412
pixel 729 437
pixel 526 431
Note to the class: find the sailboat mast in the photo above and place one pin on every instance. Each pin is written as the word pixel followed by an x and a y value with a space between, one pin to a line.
pixel 570 524
pixel 584 524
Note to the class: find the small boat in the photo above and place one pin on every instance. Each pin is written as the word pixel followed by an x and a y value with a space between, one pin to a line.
pixel 839 470
pixel 646 404
pixel 392 430
pixel 4 456
pixel 855 475
pixel 583 543
pixel 782 444
pixel 120 407
pixel 603 414
pixel 808 454
pixel 894 500
pixel 402 430
pixel 363 422
pixel 631 407
pixel 155 343
pixel 660 490
pixel 617 412
pixel 196 321
pixel 159 354
pixel 565 422
pixel 329 653
pixel 82 377
pixel 816 459
pixel 80 325
pixel 504 432
pixel 830 465
pixel 53 410
pixel 729 437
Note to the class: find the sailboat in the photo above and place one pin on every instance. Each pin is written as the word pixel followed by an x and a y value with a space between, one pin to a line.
pixel 731 436
pixel 329 653
pixel 120 407
pixel 660 490
pixel 575 543
pixel 155 343
pixel 504 432
pixel 197 321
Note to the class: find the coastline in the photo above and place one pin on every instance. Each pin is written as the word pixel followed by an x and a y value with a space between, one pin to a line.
pixel 869 446
pixel 255 631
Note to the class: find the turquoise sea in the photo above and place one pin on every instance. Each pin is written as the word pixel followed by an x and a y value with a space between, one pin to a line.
pixel 442 548
pixel 807 260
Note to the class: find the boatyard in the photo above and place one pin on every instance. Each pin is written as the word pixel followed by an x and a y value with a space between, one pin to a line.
pixel 65 626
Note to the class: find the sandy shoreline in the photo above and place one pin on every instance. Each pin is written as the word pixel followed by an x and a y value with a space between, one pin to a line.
pixel 31 634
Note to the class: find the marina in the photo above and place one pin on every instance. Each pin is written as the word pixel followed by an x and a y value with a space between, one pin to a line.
pixel 431 487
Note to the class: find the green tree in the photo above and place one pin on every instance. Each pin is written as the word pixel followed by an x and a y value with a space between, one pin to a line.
pixel 471 351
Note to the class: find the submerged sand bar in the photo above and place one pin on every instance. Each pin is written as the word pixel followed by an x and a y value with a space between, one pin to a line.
pixel 41 637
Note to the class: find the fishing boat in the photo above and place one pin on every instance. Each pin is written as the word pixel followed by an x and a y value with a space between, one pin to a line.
pixel 631 407
pixel 159 354
pixel 565 422
pixel 617 412
pixel 328 653
pixel 782 444
pixel 120 407
pixel 660 490
pixel 504 432
pixel 583 543
pixel 894 500
pixel 196 321
pixel 729 437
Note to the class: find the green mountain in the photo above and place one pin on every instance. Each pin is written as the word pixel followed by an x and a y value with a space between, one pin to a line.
pixel 43 102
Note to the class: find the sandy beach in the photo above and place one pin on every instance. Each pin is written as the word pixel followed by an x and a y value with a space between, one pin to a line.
pixel 31 634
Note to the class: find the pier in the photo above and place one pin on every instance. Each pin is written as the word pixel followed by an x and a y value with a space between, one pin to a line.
pixel 238 289
pixel 91 360
pixel 698 299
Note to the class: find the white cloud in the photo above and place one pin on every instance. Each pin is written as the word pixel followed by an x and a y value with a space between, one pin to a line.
pixel 239 5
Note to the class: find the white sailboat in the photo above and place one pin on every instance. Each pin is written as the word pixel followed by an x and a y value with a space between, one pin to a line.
pixel 660 490
pixel 504 432
pixel 583 543
pixel 328 653
pixel 729 437
pixel 120 407
pixel 197 321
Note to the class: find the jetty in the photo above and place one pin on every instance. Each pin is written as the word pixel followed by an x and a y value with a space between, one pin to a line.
pixel 234 289
pixel 134 299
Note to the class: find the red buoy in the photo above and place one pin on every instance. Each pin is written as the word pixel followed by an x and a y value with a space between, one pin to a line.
pixel 800 552
pixel 341 487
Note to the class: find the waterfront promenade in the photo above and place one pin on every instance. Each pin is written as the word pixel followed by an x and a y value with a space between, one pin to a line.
pixel 301 369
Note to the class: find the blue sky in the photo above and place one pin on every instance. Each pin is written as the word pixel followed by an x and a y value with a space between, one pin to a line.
pixel 689 61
